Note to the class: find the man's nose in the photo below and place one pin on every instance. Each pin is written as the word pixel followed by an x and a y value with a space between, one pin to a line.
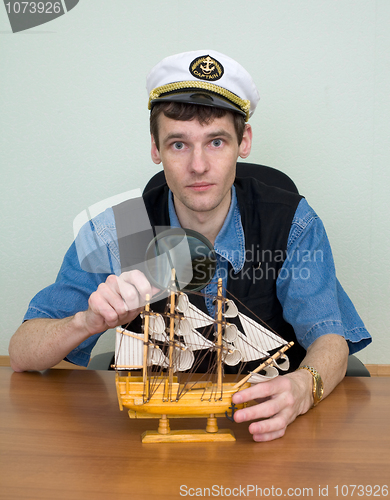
pixel 199 161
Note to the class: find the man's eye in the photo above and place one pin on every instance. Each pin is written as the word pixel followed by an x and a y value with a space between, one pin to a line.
pixel 178 145
pixel 217 143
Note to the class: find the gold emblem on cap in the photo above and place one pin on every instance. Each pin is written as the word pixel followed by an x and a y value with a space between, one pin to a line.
pixel 206 68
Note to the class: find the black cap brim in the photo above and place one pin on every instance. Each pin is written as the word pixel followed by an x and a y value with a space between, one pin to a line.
pixel 200 98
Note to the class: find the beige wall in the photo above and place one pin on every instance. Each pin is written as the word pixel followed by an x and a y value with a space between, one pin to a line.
pixel 74 125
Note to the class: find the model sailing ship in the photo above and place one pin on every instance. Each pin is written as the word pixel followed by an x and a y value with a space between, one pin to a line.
pixel 170 350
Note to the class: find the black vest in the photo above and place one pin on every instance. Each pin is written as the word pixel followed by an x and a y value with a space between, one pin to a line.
pixel 266 215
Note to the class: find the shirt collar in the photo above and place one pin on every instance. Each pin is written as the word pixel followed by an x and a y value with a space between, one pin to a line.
pixel 230 241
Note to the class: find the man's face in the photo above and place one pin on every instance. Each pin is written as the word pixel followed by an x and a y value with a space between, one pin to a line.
pixel 200 162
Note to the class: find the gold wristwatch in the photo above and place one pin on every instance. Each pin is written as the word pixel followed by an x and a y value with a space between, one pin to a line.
pixel 318 386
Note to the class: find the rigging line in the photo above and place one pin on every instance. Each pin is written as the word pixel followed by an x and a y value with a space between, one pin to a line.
pixel 200 377
pixel 241 368
pixel 250 345
pixel 155 380
pixel 255 315
pixel 203 294
pixel 157 370
pixel 199 358
pixel 191 373
pixel 154 386
pixel 212 372
pixel 116 355
pixel 214 387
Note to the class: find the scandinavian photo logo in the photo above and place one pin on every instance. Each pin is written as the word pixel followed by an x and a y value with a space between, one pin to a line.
pixel 25 15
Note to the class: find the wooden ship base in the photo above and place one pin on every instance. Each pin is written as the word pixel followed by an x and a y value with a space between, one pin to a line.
pixel 129 389
pixel 188 436
pixel 165 435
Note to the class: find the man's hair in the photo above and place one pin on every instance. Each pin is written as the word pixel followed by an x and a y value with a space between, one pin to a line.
pixel 186 112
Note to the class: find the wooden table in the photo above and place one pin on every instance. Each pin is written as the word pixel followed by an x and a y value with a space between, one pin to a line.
pixel 63 437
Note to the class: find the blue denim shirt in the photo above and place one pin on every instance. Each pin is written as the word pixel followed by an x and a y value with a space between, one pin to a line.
pixel 313 301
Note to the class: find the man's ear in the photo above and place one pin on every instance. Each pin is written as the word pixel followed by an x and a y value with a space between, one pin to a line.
pixel 246 143
pixel 155 153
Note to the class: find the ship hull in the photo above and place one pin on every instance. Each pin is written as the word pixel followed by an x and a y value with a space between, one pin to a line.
pixel 201 399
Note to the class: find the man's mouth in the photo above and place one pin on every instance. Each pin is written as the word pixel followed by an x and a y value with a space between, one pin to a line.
pixel 200 186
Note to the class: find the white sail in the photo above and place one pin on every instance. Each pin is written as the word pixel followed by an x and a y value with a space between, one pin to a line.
pixel 230 332
pixel 129 349
pixel 156 323
pixel 156 357
pixel 195 341
pixel 249 351
pixel 270 372
pixel 198 318
pixel 157 327
pixel 186 326
pixel 192 338
pixel 129 353
pixel 183 358
pixel 230 355
pixel 182 327
pixel 231 309
pixel 259 335
pixel 182 303
pixel 255 344
pixel 283 363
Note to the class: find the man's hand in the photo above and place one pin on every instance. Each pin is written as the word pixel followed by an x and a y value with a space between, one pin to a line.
pixel 117 301
pixel 43 342
pixel 280 401
pixel 283 398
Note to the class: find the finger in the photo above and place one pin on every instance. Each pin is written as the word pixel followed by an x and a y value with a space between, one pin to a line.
pixel 139 285
pixel 262 400
pixel 263 390
pixel 258 391
pixel 108 304
pixel 268 436
pixel 124 288
pixel 108 296
pixel 110 317
pixel 269 429
pixel 130 295
pixel 263 410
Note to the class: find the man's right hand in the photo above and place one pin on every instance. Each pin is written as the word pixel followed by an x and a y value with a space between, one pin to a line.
pixel 117 301
pixel 41 343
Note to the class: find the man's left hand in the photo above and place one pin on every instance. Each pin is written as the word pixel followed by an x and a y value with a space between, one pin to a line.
pixel 280 401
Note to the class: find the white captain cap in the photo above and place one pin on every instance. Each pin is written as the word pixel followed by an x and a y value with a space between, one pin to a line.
pixel 204 77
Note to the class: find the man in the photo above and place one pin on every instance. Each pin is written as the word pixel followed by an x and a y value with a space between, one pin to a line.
pixel 200 103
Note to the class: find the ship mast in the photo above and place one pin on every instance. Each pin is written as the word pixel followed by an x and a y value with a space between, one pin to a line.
pixel 171 332
pixel 146 341
pixel 219 336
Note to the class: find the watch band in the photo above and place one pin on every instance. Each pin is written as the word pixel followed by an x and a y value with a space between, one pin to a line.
pixel 318 386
